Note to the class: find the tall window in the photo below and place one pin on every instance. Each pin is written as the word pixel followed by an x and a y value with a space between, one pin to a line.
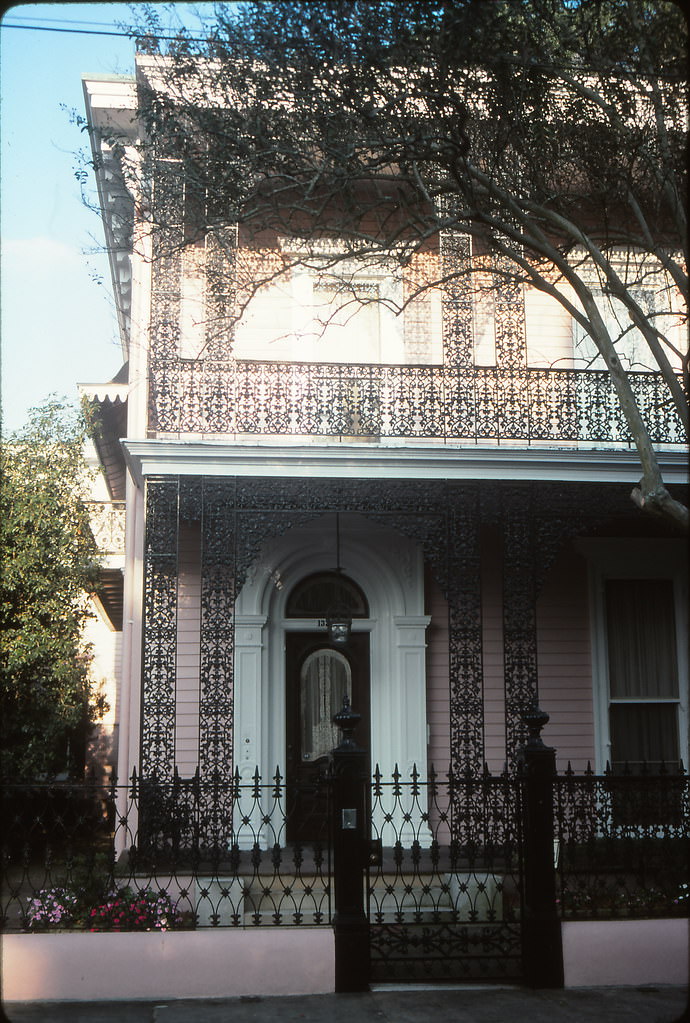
pixel 348 314
pixel 644 699
pixel 630 343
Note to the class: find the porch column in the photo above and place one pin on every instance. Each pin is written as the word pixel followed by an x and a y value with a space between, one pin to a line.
pixel 399 728
pixel 249 645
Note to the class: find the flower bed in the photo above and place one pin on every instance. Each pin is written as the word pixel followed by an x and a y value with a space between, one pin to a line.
pixel 125 909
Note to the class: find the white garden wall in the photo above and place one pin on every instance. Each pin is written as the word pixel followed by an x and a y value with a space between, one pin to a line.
pixel 200 964
pixel 625 952
pixel 230 963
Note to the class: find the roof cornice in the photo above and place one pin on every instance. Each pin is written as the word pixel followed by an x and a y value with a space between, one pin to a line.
pixel 350 461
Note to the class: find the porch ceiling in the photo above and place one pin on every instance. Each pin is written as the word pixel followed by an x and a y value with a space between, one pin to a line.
pixel 351 461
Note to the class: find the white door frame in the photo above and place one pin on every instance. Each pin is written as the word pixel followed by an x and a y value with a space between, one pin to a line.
pixel 389 569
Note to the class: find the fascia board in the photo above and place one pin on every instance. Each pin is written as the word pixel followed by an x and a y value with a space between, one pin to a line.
pixel 164 457
pixel 111 103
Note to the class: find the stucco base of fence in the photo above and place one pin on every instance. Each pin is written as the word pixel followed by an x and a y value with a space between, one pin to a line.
pixel 199 964
pixel 625 952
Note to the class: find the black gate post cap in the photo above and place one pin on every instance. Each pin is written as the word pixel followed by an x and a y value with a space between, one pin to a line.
pixel 347 720
pixel 535 718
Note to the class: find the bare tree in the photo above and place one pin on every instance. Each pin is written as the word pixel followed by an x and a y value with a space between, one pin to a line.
pixel 552 134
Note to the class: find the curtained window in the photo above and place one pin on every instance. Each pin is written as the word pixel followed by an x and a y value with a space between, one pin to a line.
pixel 643 673
pixel 326 678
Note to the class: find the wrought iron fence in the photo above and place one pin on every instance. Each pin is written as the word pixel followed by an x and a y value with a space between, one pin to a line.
pixel 153 855
pixel 444 892
pixel 446 871
pixel 623 844
pixel 537 406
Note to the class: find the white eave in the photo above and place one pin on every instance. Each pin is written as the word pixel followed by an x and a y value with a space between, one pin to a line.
pixel 349 461
pixel 112 392
pixel 111 111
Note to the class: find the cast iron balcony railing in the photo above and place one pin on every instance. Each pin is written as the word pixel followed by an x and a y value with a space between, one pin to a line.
pixel 107 520
pixel 536 406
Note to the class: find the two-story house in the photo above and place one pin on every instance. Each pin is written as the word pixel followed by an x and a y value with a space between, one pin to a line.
pixel 456 477
pixel 427 512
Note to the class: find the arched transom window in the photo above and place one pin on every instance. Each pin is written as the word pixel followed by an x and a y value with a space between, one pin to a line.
pixel 315 595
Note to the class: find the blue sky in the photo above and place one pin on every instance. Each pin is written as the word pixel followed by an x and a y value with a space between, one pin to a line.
pixel 58 322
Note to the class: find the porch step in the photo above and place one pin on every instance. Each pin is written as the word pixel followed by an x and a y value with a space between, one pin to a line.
pixel 287 901
pixel 471 897
pixel 435 898
pixel 264 900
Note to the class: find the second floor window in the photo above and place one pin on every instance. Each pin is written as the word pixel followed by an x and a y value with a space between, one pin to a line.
pixel 629 341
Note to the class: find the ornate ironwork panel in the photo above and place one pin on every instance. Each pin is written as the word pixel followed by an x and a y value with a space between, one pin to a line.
pixel 512 417
pixel 509 309
pixel 221 251
pixel 519 612
pixel 624 842
pixel 465 631
pixel 168 236
pixel 458 334
pixel 218 580
pixel 552 405
pixel 160 629
pixel 167 204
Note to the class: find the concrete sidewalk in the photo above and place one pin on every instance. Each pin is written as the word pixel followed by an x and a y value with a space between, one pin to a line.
pixel 409 1004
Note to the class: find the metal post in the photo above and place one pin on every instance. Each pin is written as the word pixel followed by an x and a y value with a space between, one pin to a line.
pixel 350 924
pixel 542 949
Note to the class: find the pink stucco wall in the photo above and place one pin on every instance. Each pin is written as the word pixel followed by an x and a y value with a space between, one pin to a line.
pixel 564 661
pixel 625 952
pixel 492 654
pixel 183 964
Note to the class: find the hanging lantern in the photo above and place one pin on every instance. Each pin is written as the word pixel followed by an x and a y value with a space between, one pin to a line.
pixel 339 623
pixel 338 617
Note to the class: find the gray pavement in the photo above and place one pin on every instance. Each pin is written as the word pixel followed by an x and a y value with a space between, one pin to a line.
pixel 385 1004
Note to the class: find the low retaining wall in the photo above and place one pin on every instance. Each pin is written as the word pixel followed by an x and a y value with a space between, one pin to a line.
pixel 227 963
pixel 180 964
pixel 625 952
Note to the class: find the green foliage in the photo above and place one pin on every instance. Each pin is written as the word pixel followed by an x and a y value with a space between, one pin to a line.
pixel 49 565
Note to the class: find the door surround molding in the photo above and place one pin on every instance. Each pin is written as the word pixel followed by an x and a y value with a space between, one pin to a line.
pixel 389 569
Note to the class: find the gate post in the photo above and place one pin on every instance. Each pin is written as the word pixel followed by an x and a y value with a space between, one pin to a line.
pixel 349 778
pixel 542 949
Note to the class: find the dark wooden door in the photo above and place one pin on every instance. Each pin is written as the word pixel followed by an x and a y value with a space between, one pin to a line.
pixel 318 676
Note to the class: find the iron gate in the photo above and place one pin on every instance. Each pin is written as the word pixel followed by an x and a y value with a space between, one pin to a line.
pixel 444 882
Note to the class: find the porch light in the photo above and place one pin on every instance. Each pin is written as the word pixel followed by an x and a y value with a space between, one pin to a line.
pixel 338 617
pixel 339 625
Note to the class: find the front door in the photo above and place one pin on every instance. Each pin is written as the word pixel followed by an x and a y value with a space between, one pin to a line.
pixel 319 676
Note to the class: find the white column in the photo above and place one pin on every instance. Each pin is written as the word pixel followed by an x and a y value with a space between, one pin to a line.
pixel 249 642
pixel 406 734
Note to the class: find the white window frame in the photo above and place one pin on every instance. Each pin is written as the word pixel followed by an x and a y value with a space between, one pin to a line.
pixel 653 289
pixel 633 559
pixel 319 339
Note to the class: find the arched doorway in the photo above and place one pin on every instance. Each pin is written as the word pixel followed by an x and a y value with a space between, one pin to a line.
pixel 387 569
